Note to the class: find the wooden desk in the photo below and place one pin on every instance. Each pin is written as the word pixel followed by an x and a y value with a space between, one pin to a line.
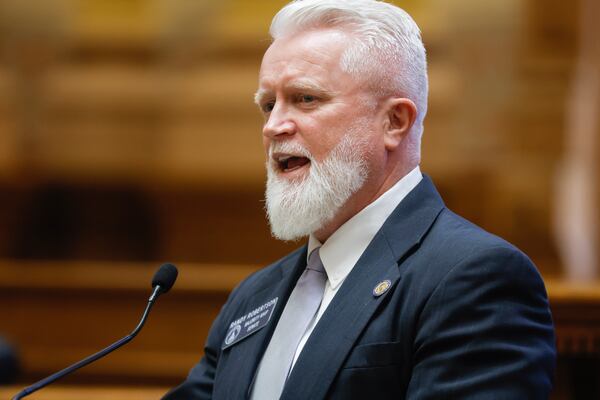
pixel 576 312
pixel 88 393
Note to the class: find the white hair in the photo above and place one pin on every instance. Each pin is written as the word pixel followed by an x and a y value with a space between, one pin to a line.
pixel 388 46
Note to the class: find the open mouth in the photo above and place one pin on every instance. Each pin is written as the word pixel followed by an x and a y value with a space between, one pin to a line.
pixel 289 163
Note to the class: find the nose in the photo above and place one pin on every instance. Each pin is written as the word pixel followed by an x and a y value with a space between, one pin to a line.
pixel 279 123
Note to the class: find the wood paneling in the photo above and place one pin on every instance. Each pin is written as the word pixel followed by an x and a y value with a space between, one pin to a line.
pixel 159 95
pixel 90 393
pixel 576 313
pixel 58 313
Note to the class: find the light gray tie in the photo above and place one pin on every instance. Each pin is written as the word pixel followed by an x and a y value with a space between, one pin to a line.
pixel 297 315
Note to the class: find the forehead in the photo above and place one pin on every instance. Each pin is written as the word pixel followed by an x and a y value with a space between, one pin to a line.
pixel 312 56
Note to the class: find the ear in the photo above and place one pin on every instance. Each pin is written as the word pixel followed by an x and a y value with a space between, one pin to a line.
pixel 401 114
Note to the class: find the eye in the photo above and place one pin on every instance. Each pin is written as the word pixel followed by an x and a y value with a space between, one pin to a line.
pixel 306 98
pixel 268 106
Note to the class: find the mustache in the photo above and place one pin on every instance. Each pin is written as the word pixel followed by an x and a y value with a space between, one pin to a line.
pixel 289 148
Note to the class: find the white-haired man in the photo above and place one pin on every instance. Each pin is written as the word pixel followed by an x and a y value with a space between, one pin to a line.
pixel 393 296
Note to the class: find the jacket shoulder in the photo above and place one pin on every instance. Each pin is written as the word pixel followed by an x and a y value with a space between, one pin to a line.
pixel 455 249
pixel 458 239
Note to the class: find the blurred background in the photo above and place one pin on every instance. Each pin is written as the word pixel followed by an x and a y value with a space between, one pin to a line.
pixel 129 137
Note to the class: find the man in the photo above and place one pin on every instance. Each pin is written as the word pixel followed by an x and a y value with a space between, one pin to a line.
pixel 394 296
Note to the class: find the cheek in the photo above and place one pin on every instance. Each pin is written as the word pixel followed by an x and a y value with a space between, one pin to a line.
pixel 321 141
pixel 326 132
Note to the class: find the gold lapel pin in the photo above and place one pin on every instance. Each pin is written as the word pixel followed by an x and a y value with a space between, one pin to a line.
pixel 382 287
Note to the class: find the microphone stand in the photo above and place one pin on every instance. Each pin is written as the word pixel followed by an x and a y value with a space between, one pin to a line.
pixel 46 381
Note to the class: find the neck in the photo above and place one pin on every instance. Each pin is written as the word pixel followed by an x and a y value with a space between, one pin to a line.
pixel 361 199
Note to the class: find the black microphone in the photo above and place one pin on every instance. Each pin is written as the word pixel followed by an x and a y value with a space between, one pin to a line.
pixel 163 280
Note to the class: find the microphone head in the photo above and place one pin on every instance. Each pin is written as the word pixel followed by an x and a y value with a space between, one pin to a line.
pixel 165 277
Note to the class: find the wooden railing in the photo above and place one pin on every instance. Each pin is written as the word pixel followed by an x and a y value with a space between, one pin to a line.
pixel 576 313
pixel 57 313
pixel 90 393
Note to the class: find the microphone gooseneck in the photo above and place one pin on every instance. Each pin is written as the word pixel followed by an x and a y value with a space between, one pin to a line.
pixel 163 280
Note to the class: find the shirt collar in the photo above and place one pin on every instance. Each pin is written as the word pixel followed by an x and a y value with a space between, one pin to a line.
pixel 343 248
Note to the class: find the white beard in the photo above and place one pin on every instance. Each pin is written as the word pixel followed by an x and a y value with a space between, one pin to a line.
pixel 298 208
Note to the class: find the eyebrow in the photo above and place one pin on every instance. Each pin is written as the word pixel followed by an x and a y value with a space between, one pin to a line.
pixel 300 85
pixel 259 96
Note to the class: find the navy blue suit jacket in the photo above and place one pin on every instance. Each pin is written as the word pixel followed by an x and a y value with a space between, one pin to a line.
pixel 466 317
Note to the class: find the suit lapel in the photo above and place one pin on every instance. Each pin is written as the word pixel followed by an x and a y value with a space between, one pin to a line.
pixel 353 306
pixel 246 354
pixel 340 326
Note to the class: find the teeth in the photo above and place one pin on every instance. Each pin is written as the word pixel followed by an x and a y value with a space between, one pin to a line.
pixel 283 158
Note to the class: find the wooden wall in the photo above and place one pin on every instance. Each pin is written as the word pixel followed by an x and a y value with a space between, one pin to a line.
pixel 127 129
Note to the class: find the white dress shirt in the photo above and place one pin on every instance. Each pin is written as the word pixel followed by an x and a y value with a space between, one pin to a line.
pixel 343 248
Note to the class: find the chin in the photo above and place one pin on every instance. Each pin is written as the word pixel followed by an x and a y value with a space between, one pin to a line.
pixel 303 200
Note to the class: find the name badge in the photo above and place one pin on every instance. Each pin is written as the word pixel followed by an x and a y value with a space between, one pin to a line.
pixel 247 324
